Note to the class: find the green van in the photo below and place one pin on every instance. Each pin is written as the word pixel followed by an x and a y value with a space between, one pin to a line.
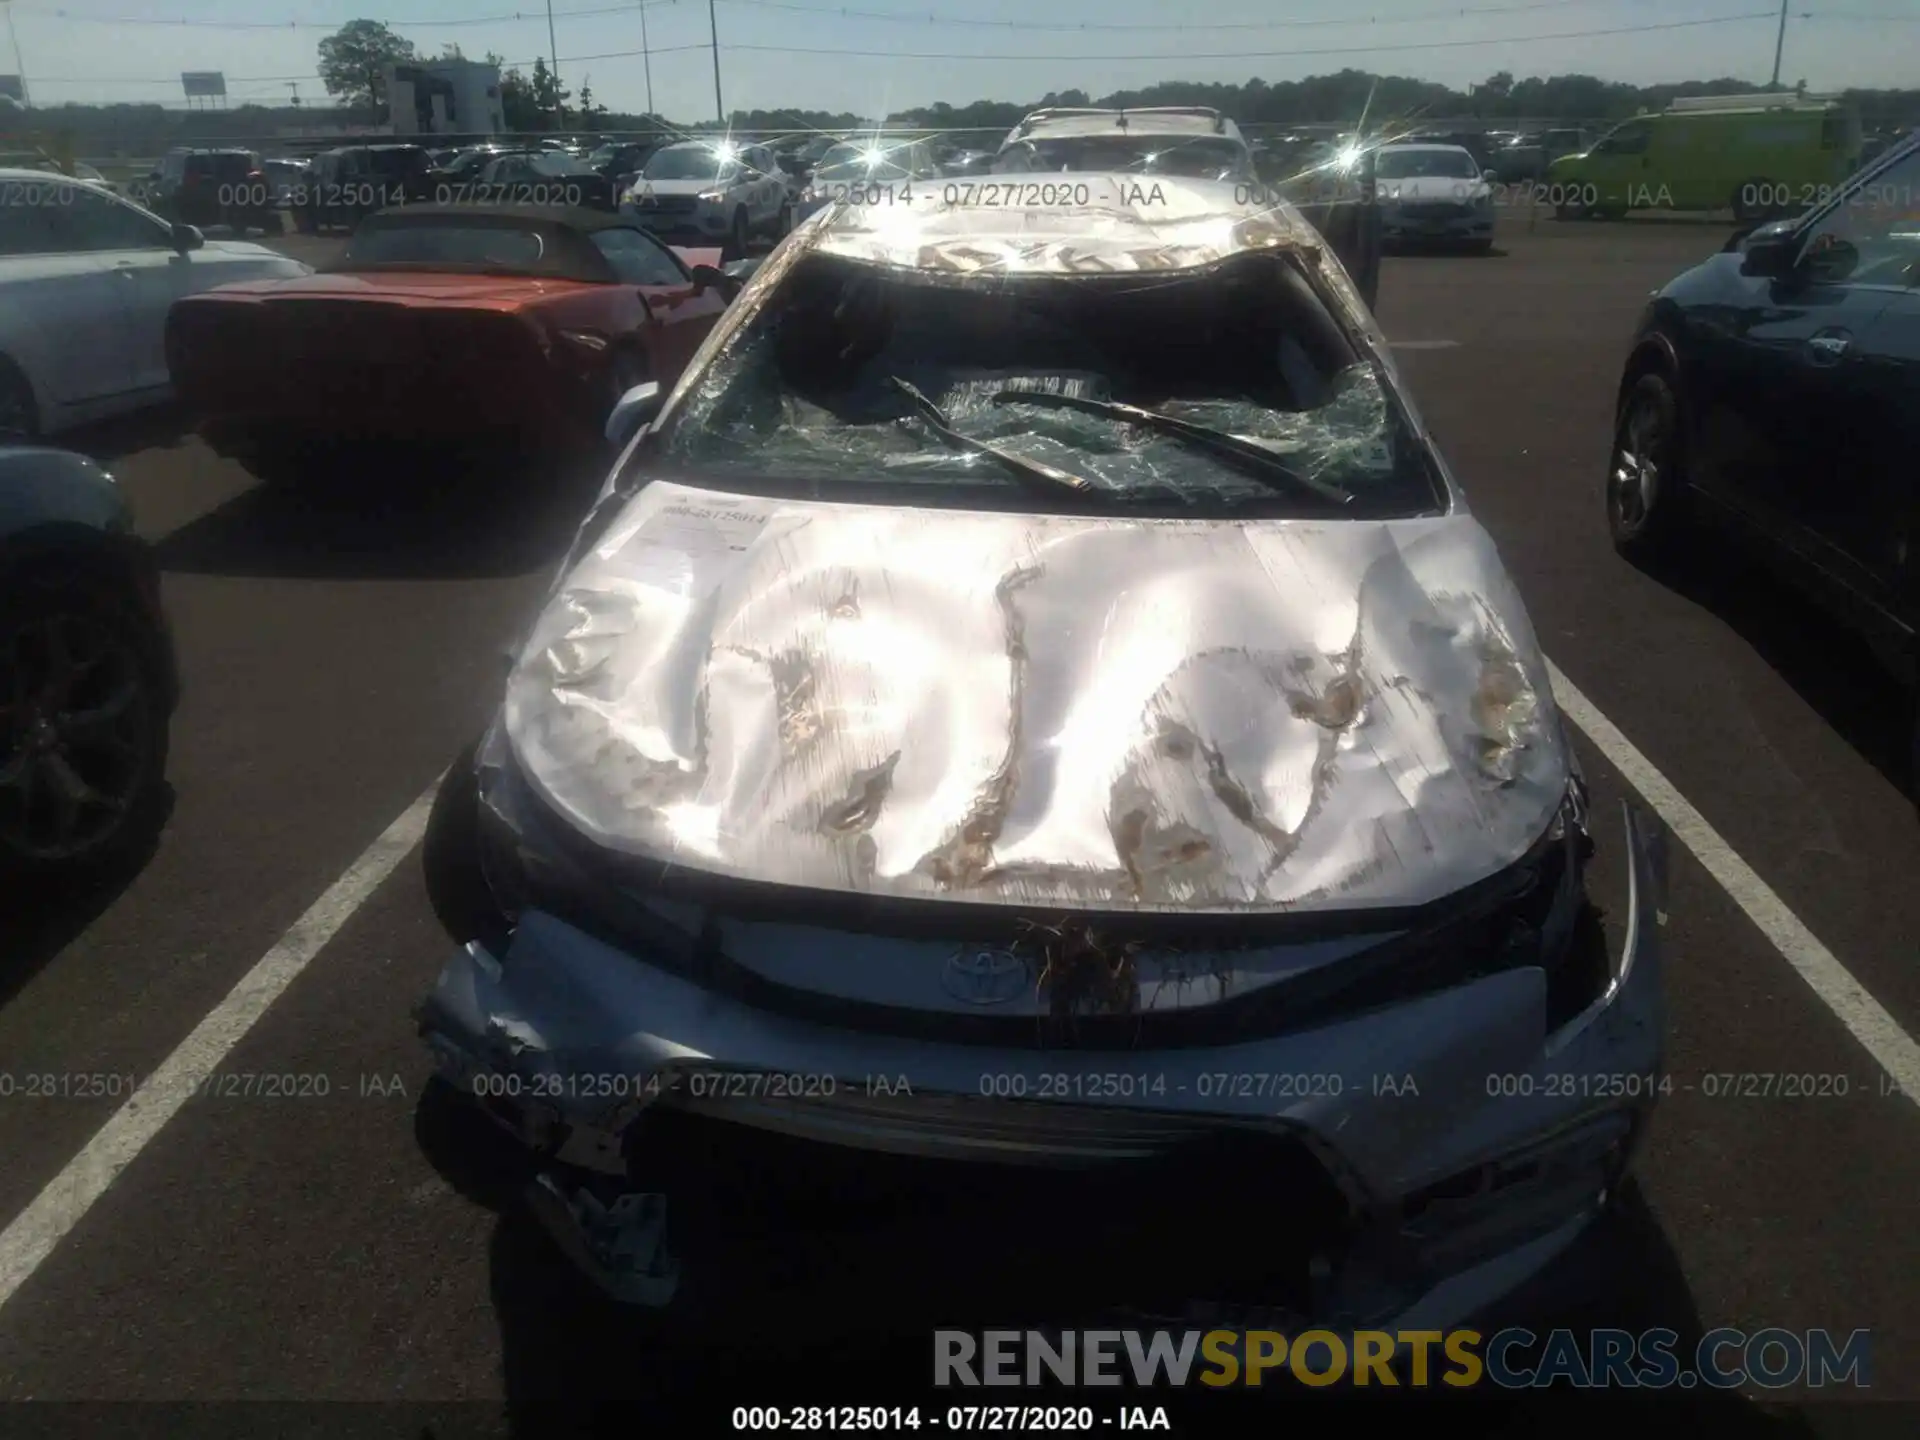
pixel 1758 155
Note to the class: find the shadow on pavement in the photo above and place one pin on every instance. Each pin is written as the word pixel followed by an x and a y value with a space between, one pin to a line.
pixel 163 427
pixel 574 1361
pixel 390 516
pixel 44 917
pixel 1832 669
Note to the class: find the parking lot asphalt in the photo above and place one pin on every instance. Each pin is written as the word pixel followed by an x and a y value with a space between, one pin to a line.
pixel 339 650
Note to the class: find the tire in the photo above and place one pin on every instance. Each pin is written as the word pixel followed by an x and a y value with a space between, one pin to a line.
pixel 737 237
pixel 1480 247
pixel 1564 211
pixel 1646 486
pixel 304 222
pixel 19 413
pixel 1746 205
pixel 100 720
pixel 783 224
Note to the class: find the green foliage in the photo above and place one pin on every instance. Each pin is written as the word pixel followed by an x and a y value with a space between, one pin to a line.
pixel 353 62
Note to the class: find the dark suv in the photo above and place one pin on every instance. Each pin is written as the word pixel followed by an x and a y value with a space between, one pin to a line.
pixel 351 183
pixel 1772 394
pixel 214 187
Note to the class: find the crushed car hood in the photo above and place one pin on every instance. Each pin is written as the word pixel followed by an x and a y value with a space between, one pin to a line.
pixel 1101 713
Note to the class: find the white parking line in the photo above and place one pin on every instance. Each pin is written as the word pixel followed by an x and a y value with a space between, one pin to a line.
pixel 1865 1018
pixel 37 1230
pixel 34 1233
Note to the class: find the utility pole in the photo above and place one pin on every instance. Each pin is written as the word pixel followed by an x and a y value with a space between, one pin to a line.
pixel 19 60
pixel 1779 43
pixel 646 57
pixel 553 61
pixel 713 29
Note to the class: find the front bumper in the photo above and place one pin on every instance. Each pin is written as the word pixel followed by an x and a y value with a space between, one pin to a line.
pixel 1401 226
pixel 1433 1154
pixel 705 223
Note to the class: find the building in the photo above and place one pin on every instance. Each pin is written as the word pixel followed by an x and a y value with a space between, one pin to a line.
pixel 445 97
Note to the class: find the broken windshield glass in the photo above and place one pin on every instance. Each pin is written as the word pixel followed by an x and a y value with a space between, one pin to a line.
pixel 813 393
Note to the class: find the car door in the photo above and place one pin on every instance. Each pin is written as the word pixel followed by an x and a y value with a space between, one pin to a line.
pixel 1802 385
pixel 1880 525
pixel 63 309
pixel 138 252
pixel 678 319
pixel 1854 487
pixel 1619 165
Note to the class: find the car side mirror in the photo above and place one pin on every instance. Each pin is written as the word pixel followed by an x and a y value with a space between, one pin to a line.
pixel 187 237
pixel 706 277
pixel 633 410
pixel 1770 251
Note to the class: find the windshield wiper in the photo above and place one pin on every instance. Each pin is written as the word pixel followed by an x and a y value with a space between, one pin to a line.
pixel 1036 474
pixel 1255 460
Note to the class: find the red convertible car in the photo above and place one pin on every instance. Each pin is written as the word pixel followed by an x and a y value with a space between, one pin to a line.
pixel 498 325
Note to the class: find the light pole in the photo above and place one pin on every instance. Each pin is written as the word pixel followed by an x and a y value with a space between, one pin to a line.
pixel 553 61
pixel 26 96
pixel 713 30
pixel 646 57
pixel 1779 43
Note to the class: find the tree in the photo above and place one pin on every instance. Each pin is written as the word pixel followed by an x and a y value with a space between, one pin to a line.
pixel 590 113
pixel 354 59
pixel 548 94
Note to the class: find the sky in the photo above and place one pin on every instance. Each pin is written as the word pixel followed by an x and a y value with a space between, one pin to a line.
pixel 871 57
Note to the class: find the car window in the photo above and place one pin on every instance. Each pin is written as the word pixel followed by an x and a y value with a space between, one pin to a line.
pixel 484 246
pixel 1872 235
pixel 92 221
pixel 32 229
pixel 1629 139
pixel 1417 164
pixel 692 162
pixel 638 259
pixel 811 393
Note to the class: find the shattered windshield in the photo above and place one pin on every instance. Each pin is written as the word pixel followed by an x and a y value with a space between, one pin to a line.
pixel 855 375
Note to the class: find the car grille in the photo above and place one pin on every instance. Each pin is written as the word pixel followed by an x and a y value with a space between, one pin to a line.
pixel 1149 1236
pixel 1434 210
pixel 669 205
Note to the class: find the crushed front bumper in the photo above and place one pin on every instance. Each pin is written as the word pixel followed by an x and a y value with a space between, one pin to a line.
pixel 1458 1143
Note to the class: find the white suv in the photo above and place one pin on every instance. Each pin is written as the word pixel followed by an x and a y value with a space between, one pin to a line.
pixel 713 191
pixel 86 280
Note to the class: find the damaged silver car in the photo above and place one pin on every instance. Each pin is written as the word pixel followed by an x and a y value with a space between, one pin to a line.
pixel 1033 709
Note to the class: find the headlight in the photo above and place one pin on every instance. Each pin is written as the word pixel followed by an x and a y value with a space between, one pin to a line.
pixel 712 197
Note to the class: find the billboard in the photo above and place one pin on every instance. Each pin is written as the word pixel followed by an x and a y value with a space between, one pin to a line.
pixel 204 84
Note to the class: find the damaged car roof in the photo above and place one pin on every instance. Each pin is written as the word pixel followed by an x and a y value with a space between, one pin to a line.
pixel 1065 224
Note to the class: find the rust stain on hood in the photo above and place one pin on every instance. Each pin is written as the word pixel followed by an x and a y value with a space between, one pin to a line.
pixel 1045 711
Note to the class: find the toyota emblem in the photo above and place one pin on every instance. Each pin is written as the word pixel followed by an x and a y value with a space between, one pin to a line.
pixel 984 977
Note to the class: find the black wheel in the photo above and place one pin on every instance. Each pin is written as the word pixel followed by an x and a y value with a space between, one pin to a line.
pixel 783 223
pixel 1568 211
pixel 19 415
pixel 83 730
pixel 1646 493
pixel 304 222
pixel 737 237
pixel 1480 247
